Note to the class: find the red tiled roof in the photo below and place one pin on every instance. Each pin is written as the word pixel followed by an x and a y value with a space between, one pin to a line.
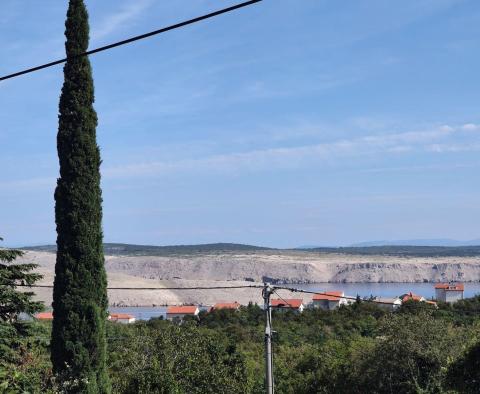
pixel 44 316
pixel 328 296
pixel 120 316
pixel 227 305
pixel 411 296
pixel 450 286
pixel 183 309
pixel 287 303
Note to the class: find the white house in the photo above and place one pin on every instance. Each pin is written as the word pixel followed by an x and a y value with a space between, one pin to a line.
pixel 388 303
pixel 329 300
pixel 288 304
pixel 177 313
pixel 124 318
pixel 449 292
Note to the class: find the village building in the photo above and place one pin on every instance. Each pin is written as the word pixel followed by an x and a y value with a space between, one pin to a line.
pixel 288 304
pixel 449 292
pixel 412 297
pixel 114 317
pixel 177 313
pixel 227 305
pixel 390 304
pixel 124 318
pixel 329 300
pixel 44 316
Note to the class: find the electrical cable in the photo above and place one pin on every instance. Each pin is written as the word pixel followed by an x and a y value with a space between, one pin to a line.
pixel 160 288
pixel 130 40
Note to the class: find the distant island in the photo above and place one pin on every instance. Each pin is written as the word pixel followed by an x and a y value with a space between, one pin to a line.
pixel 125 249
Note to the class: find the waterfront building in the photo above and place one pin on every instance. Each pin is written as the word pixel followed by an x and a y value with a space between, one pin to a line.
pixel 412 297
pixel 227 305
pixel 288 304
pixel 123 318
pixel 449 292
pixel 329 300
pixel 390 304
pixel 177 313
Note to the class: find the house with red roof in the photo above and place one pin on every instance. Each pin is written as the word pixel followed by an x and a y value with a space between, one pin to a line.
pixel 412 297
pixel 288 304
pixel 227 305
pixel 433 303
pixel 45 316
pixel 329 300
pixel 449 292
pixel 124 318
pixel 177 313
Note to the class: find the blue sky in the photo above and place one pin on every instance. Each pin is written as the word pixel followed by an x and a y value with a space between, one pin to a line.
pixel 287 123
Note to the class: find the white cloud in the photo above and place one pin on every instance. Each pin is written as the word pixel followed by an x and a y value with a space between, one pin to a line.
pixel 129 12
pixel 453 148
pixel 442 139
pixel 298 156
pixel 470 127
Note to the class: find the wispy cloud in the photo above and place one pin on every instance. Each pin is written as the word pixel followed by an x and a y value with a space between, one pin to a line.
pixel 129 12
pixel 437 140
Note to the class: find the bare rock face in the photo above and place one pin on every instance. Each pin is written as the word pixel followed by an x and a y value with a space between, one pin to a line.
pixel 249 268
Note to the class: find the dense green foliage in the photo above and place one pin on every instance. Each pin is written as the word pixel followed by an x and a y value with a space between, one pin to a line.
pixel 356 349
pixel 79 296
pixel 158 357
pixel 12 301
pixel 17 336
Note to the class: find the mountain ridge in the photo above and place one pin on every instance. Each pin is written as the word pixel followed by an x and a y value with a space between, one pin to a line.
pixel 113 249
pixel 123 249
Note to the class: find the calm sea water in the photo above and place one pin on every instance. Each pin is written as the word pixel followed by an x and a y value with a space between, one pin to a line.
pixel 427 290
pixel 384 289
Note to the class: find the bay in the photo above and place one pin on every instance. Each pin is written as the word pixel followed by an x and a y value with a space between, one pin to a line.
pixel 426 290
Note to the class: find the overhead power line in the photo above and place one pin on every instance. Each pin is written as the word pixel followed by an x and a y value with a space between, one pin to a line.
pixel 132 39
pixel 161 288
pixel 279 296
pixel 294 290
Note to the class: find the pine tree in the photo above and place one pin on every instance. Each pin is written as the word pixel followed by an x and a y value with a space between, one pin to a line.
pixel 78 349
pixel 18 336
pixel 12 301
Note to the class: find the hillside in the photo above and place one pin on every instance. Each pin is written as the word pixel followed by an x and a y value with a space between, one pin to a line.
pixel 250 267
pixel 403 251
pixel 121 249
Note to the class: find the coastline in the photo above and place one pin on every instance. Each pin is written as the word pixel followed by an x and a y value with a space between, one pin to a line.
pixel 239 269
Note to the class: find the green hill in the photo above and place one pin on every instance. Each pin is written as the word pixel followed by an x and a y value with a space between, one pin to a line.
pixel 404 251
pixel 113 249
pixel 117 249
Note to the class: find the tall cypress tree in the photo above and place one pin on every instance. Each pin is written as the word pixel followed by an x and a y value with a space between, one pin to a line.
pixel 78 348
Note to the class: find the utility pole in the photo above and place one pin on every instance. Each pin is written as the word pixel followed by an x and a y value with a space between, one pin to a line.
pixel 269 384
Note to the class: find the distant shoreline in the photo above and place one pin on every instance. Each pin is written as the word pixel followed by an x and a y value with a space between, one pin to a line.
pixel 248 267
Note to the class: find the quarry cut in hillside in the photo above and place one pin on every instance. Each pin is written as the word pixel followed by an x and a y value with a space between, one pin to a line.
pixel 205 269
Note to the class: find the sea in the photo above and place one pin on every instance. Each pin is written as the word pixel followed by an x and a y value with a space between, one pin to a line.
pixel 426 290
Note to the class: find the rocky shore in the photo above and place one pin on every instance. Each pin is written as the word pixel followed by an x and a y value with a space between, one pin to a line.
pixel 229 269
